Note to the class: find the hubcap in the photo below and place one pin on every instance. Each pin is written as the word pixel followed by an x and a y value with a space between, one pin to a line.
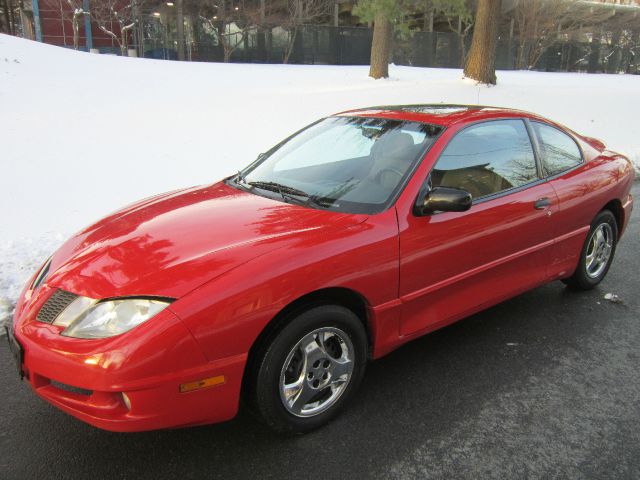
pixel 316 372
pixel 599 250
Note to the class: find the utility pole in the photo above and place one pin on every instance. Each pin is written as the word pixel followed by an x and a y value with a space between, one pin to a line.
pixel 36 20
pixel 88 35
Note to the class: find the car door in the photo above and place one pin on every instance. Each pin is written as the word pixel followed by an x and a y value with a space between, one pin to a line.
pixel 578 186
pixel 455 263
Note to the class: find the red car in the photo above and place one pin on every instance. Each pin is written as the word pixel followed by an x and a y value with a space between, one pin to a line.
pixel 276 286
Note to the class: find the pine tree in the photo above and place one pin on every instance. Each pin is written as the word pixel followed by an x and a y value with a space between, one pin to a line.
pixel 387 16
pixel 481 63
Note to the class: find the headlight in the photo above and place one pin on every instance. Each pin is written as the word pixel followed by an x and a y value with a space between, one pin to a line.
pixel 87 318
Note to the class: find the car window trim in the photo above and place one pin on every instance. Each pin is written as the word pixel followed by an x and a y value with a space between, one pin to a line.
pixel 493 196
pixel 538 140
pixel 533 138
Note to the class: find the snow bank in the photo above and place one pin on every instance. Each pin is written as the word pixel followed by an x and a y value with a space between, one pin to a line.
pixel 83 134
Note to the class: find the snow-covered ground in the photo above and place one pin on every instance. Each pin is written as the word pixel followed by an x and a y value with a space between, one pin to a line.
pixel 83 134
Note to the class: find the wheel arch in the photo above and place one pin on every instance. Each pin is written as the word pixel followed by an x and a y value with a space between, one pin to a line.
pixel 615 207
pixel 342 296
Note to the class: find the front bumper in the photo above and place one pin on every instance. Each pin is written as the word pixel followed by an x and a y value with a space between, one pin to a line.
pixel 131 382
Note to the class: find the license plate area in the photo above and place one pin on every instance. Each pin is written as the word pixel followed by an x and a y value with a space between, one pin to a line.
pixel 17 352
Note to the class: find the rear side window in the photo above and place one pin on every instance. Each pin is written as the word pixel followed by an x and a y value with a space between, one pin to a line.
pixel 487 158
pixel 559 151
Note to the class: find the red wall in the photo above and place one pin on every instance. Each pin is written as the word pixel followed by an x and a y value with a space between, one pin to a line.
pixel 57 31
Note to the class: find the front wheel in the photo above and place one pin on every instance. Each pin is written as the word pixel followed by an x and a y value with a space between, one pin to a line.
pixel 310 369
pixel 597 253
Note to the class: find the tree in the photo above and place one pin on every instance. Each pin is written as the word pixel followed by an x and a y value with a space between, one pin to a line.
pixel 387 16
pixel 541 23
pixel 298 12
pixel 7 20
pixel 74 13
pixel 481 64
pixel 459 16
pixel 618 36
pixel 230 24
pixel 124 13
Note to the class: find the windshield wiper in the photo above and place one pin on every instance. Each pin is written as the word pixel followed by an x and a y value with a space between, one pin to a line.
pixel 278 187
pixel 287 192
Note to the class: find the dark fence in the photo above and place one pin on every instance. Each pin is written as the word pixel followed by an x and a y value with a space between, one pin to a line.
pixel 317 44
pixel 312 44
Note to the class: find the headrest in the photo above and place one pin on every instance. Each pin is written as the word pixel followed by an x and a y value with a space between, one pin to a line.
pixel 393 143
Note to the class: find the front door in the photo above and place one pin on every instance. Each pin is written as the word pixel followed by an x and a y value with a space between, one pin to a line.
pixel 455 263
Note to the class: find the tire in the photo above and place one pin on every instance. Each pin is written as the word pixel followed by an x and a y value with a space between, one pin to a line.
pixel 319 382
pixel 591 269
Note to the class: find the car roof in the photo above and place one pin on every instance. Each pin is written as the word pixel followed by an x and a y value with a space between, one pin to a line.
pixel 439 114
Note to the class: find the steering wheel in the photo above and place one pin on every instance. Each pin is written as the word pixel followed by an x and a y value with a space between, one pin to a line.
pixel 389 177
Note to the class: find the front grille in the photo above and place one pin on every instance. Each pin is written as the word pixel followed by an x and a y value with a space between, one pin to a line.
pixel 55 305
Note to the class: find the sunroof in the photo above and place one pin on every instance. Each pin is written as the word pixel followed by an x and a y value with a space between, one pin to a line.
pixel 433 109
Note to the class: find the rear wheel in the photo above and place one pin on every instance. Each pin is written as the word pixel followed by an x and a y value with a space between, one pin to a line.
pixel 310 369
pixel 597 252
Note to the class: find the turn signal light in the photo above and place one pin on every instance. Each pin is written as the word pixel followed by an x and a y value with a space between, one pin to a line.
pixel 204 383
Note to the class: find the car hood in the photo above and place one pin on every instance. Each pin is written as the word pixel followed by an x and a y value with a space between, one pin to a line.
pixel 170 244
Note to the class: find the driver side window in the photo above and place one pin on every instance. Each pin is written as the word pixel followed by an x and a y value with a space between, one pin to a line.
pixel 487 158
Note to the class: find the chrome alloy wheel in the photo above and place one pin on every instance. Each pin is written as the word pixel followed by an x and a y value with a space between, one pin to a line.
pixel 599 250
pixel 316 372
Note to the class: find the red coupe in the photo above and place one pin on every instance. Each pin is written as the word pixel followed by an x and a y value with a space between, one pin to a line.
pixel 277 285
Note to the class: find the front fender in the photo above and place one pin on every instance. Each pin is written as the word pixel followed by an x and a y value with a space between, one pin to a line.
pixel 227 314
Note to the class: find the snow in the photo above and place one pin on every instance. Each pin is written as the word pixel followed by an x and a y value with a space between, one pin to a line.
pixel 613 298
pixel 84 134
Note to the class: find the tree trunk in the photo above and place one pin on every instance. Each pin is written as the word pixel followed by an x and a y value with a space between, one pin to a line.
pixel 123 43
pixel 76 31
pixel 26 18
pixel 428 17
pixel 594 54
pixel 631 64
pixel 615 57
pixel 380 47
pixel 5 12
pixel 481 64
pixel 9 16
pixel 180 28
pixel 290 45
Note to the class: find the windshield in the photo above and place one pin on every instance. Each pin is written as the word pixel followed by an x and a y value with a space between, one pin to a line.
pixel 346 164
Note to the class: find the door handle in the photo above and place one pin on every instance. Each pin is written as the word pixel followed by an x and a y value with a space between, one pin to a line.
pixel 542 203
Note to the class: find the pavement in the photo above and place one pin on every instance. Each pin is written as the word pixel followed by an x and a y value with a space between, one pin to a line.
pixel 544 385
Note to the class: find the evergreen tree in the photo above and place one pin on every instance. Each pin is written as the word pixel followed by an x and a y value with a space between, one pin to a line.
pixel 387 17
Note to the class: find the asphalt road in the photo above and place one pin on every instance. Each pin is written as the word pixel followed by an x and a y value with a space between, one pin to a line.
pixel 544 385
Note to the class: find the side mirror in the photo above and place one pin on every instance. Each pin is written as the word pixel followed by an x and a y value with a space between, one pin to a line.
pixel 443 199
